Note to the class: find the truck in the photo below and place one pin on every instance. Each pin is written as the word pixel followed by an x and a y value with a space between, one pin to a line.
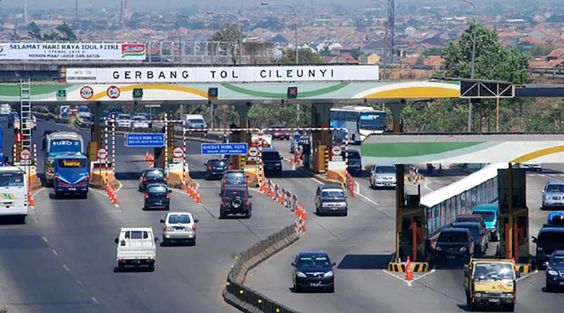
pixel 59 143
pixel 71 175
pixel 13 193
pixel 137 247
pixel 490 282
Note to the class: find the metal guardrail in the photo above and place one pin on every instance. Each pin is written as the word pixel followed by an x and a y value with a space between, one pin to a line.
pixel 245 298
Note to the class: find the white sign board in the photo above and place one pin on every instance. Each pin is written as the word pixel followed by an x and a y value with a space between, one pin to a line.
pixel 226 74
pixel 72 51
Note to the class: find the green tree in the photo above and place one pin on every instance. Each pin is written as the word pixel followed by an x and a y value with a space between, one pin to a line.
pixel 228 33
pixel 433 51
pixel 35 31
pixel 305 56
pixel 65 32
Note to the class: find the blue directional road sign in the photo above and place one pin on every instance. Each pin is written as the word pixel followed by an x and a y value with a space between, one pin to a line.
pixel 144 140
pixel 236 148
pixel 64 110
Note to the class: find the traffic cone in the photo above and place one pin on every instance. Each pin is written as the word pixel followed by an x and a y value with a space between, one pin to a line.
pixel 183 187
pixel 198 197
pixel 408 270
pixel 292 160
pixel 31 200
pixel 146 155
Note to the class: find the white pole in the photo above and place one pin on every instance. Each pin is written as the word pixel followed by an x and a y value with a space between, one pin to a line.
pixel 166 143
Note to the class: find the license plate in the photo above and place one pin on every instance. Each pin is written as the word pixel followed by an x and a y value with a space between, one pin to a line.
pixel 317 284
pixel 72 189
pixel 450 256
pixel 178 228
pixel 494 300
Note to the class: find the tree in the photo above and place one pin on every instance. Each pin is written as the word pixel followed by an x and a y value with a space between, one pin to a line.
pixel 65 32
pixel 34 31
pixel 228 33
pixel 305 56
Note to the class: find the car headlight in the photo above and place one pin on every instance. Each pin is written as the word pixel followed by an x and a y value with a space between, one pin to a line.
pixel 300 274
pixel 438 248
pixel 328 274
pixel 478 295
pixel 552 273
pixel 540 249
pixel 462 249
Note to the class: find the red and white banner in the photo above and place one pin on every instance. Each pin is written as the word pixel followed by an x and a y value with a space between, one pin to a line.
pixel 72 51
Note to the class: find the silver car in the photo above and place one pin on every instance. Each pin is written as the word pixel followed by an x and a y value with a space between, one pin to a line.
pixel 179 226
pixel 553 195
pixel 383 175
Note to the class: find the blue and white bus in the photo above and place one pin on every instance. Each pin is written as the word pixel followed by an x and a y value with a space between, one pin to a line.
pixel 13 193
pixel 360 121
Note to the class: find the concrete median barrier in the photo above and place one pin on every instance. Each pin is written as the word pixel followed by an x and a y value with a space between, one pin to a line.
pixel 523 268
pixel 416 267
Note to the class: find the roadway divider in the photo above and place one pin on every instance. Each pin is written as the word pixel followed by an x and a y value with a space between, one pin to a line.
pixel 112 194
pixel 401 267
pixel 285 198
pixel 523 268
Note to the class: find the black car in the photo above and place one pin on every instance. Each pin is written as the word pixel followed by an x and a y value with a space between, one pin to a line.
pixel 313 270
pixel 454 244
pixel 272 162
pixel 331 199
pixel 354 162
pixel 479 234
pixel 157 196
pixel 215 168
pixel 151 176
pixel 555 271
pixel 549 239
pixel 235 200
pixel 236 178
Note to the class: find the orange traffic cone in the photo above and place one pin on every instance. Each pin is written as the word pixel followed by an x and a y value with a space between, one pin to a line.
pixel 198 197
pixel 292 159
pixel 31 200
pixel 408 270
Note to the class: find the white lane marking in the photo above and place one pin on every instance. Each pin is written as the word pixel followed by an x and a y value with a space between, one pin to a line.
pixel 55 252
pixel 79 282
pixel 45 239
pixel 316 180
pixel 419 277
pixel 368 199
pixel 95 300
pixel 394 276
pixel 37 191
pixel 66 267
pixel 531 274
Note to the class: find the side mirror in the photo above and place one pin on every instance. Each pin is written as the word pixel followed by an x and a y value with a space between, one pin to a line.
pixel 293 264
pixel 196 221
pixel 156 240
pixel 333 264
pixel 545 264
pixel 170 191
pixel 534 239
pixel 162 221
pixel 250 197
pixel 281 158
pixel 116 240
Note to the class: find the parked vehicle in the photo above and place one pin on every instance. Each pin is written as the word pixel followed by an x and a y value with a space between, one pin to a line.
pixel 179 226
pixel 14 188
pixel 490 215
pixel 479 235
pixel 272 162
pixel 72 173
pixel 139 121
pixel 553 195
pixel 151 175
pixel 454 244
pixel 330 199
pixel 157 196
pixel 279 132
pixel 215 168
pixel 549 239
pixel 123 120
pixel 490 282
pixel 136 247
pixel 235 178
pixel 383 175
pixel 313 270
pixel 235 200
pixel 471 218
pixel 195 121
pixel 554 271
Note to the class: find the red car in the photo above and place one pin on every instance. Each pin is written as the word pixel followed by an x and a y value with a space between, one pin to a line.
pixel 279 132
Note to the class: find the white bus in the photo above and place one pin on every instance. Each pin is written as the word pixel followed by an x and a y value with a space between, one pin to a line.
pixel 360 121
pixel 13 193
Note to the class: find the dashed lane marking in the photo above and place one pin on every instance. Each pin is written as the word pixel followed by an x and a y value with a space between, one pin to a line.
pixel 95 300
pixel 45 239
pixel 55 252
pixel 66 268
pixel 79 282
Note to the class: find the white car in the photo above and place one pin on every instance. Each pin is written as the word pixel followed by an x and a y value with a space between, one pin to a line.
pixel 84 112
pixel 136 247
pixel 5 109
pixel 179 226
pixel 383 175
pixel 123 120
pixel 139 121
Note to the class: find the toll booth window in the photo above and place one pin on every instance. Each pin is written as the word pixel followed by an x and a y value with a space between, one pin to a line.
pixel 11 180
pixel 71 163
pixel 64 145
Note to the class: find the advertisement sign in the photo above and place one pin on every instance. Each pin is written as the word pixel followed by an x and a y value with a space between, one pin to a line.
pixel 72 51
pixel 302 73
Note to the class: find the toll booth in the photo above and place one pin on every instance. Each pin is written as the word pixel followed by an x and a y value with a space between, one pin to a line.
pixel 412 240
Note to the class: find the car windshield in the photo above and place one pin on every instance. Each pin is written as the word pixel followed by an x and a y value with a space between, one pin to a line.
pixel 218 162
pixel 557 260
pixel 124 117
pixel 555 188
pixel 11 179
pixel 139 118
pixel 353 154
pixel 385 169
pixel 179 219
pixel 157 189
pixel 318 260
pixel 71 163
pixel 453 236
pixel 270 156
pixel 83 109
pixel 475 230
pixel 494 271
pixel 235 178
pixel 486 215
pixel 472 219
pixel 154 174
pixel 332 194
pixel 65 145
pixel 552 237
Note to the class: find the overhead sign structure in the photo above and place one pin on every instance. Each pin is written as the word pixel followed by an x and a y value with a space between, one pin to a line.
pixel 78 51
pixel 224 148
pixel 144 140
pixel 304 73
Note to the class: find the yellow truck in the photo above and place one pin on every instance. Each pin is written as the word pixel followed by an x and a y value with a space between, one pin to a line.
pixel 490 282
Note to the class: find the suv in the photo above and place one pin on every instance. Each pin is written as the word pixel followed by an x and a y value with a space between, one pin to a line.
pixel 179 226
pixel 157 196
pixel 313 269
pixel 354 162
pixel 235 200
pixel 454 244
pixel 555 271
pixel 490 282
pixel 553 195
pixel 151 176
pixel 490 214
pixel 383 175
pixel 479 234
pixel 233 178
pixel 215 168
pixel 136 247
pixel 549 239
pixel 272 162
pixel 330 198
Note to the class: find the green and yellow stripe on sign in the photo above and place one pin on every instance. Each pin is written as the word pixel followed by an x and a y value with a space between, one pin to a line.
pixel 8 196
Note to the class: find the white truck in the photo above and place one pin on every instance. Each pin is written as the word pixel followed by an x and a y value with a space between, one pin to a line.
pixel 137 247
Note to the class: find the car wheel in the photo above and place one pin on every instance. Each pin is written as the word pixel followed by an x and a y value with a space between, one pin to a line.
pixel 331 289
pixel 120 267
pixel 297 288
pixel 469 304
pixel 193 241
pixel 346 213
pixel 317 211
pixel 221 215
pixel 511 307
pixel 152 268
pixel 164 242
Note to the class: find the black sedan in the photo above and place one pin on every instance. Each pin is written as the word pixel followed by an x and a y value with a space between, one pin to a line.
pixel 313 270
pixel 157 196
pixel 215 168
pixel 151 176
pixel 555 271
pixel 454 244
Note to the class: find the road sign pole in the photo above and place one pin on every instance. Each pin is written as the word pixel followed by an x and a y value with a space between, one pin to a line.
pixel 184 158
pixel 106 147
pixel 113 148
pixel 166 143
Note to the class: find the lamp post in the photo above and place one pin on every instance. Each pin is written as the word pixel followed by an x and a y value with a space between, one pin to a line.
pixel 239 41
pixel 385 61
pixel 473 60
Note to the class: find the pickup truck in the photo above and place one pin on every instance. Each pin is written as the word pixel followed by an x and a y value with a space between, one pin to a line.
pixel 136 248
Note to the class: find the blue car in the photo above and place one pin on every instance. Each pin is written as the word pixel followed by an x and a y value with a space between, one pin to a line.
pixel 490 215
pixel 555 218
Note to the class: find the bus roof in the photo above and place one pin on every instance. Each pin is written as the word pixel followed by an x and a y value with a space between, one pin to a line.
pixel 71 155
pixel 355 108
pixel 64 135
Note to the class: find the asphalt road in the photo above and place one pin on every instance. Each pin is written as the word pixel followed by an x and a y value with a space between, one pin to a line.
pixel 63 259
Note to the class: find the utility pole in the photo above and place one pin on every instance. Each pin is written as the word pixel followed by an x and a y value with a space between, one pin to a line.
pixel 473 61
pixel 25 11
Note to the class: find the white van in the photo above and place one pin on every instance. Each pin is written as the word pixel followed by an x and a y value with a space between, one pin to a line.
pixel 137 247
pixel 195 121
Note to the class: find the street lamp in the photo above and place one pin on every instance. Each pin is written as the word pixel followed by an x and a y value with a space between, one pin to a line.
pixel 385 58
pixel 295 26
pixel 473 60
